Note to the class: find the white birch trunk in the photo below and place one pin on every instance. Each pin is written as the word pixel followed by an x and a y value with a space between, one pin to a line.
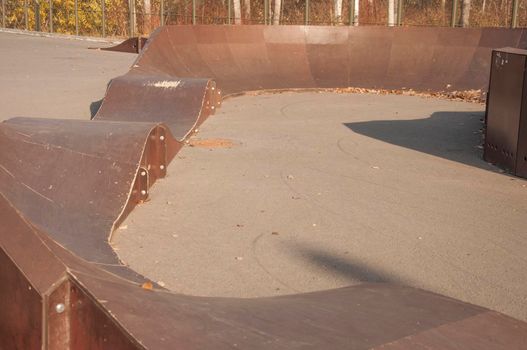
pixel 277 11
pixel 248 11
pixel 147 16
pixel 237 11
pixel 391 13
pixel 356 6
pixel 465 13
pixel 337 6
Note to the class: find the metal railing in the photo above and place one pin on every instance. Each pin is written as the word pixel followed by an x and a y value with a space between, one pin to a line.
pixel 130 18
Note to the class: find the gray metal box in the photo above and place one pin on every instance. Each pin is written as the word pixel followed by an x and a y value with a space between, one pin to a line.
pixel 506 117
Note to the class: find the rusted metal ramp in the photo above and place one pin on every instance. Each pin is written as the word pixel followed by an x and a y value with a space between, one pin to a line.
pixel 66 185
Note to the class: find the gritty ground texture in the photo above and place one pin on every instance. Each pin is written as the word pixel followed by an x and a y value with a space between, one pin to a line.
pixel 54 77
pixel 298 192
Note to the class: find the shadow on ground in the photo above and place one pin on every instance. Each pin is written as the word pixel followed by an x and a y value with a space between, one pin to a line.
pixel 454 136
pixel 94 107
pixel 345 266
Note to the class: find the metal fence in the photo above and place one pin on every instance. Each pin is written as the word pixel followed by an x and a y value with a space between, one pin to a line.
pixel 122 18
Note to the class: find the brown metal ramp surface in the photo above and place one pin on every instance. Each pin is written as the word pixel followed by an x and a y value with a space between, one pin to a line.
pixel 66 185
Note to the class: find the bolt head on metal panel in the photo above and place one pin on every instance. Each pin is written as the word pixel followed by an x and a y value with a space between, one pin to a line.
pixel 60 308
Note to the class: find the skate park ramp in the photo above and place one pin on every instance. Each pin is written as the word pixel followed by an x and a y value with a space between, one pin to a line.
pixel 66 185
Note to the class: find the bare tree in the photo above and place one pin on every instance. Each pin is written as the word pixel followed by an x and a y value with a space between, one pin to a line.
pixel 277 11
pixel 147 16
pixel 356 8
pixel 237 11
pixel 465 13
pixel 337 6
pixel 133 17
pixel 391 13
pixel 247 4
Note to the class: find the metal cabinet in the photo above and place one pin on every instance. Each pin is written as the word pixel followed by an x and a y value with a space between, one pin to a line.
pixel 506 117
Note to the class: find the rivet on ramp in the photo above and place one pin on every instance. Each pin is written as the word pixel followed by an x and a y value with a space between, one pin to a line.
pixel 59 308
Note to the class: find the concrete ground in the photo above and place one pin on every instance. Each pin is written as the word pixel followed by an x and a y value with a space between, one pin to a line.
pixel 54 77
pixel 298 192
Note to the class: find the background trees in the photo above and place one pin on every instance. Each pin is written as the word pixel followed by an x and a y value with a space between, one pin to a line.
pixel 141 16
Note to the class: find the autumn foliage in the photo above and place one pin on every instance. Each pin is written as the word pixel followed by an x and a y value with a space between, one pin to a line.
pixel 483 13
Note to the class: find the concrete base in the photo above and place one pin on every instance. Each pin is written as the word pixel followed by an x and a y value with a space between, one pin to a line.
pixel 298 192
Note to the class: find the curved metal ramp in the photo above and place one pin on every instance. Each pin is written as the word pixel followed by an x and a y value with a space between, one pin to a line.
pixel 66 185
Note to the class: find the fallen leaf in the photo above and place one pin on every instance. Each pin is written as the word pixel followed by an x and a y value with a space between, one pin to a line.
pixel 147 285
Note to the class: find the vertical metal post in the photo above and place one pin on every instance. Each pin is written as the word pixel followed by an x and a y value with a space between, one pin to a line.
pixel 25 15
pixel 351 12
pixel 228 11
pixel 514 19
pixel 400 12
pixel 306 15
pixel 3 13
pixel 162 14
pixel 103 9
pixel 51 16
pixel 266 11
pixel 454 13
pixel 37 15
pixel 194 12
pixel 131 7
pixel 76 3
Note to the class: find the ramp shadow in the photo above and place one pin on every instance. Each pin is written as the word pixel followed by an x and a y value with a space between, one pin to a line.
pixel 343 265
pixel 94 107
pixel 451 135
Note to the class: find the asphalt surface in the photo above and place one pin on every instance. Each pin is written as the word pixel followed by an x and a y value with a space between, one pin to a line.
pixel 298 192
pixel 294 192
pixel 54 77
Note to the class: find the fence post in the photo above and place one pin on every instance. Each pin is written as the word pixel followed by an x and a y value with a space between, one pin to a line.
pixel 131 7
pixel 25 15
pixel 351 12
pixel 51 16
pixel 193 12
pixel 306 15
pixel 266 11
pixel 400 12
pixel 514 19
pixel 454 13
pixel 229 11
pixel 3 13
pixel 37 15
pixel 162 14
pixel 103 9
pixel 76 17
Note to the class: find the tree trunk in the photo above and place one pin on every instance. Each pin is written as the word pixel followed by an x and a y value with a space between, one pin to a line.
pixel 465 13
pixel 147 16
pixel 391 13
pixel 356 6
pixel 276 11
pixel 237 11
pixel 337 6
pixel 247 4
pixel 133 17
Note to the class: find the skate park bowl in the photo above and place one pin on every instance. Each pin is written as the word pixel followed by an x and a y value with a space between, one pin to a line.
pixel 66 185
